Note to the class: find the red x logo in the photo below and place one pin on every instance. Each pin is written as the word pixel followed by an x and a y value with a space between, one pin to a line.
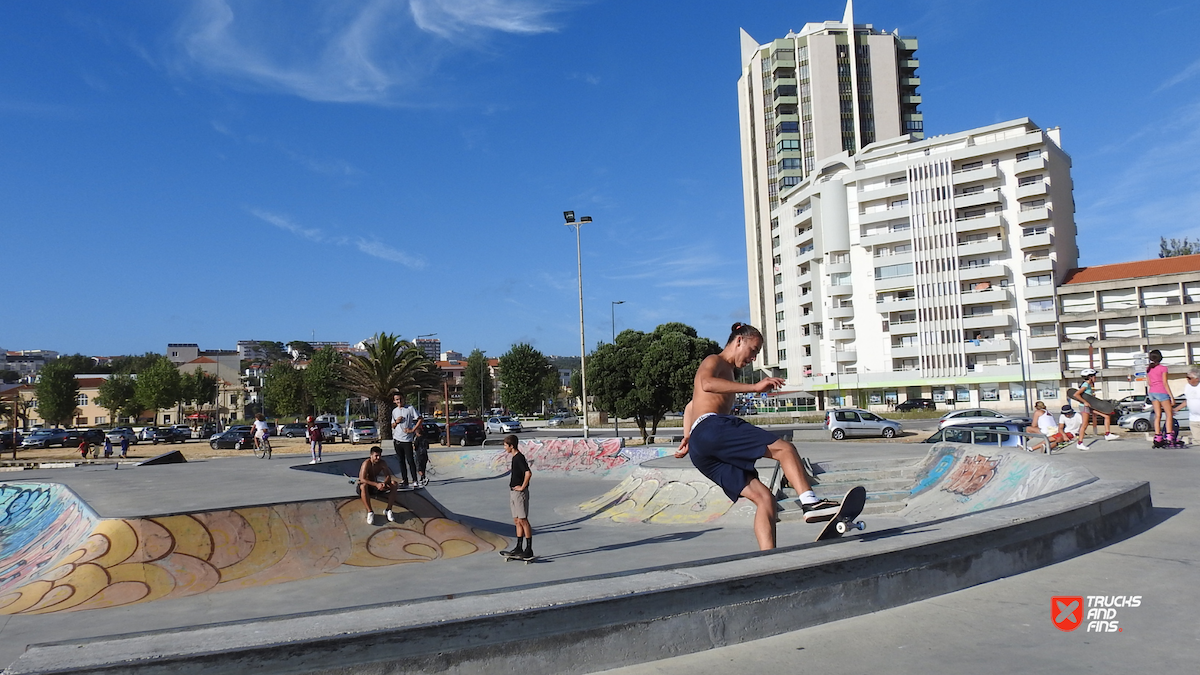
pixel 1066 612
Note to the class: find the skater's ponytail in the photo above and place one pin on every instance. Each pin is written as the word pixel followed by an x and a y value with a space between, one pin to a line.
pixel 742 330
pixel 1155 357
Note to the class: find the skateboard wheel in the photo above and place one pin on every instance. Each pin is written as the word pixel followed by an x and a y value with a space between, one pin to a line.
pixel 841 527
pixel 860 525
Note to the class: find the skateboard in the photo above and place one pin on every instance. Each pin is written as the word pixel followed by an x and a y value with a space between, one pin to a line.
pixel 843 521
pixel 509 558
pixel 1096 404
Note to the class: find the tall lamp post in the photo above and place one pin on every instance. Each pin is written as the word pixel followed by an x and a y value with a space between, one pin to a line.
pixel 1091 340
pixel 569 216
pixel 613 308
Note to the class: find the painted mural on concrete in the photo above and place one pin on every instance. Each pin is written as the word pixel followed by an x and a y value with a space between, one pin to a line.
pixel 962 479
pixel 594 457
pixel 130 560
pixel 38 522
pixel 660 496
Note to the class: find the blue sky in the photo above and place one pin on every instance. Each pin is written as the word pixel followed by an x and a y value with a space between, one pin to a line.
pixel 210 171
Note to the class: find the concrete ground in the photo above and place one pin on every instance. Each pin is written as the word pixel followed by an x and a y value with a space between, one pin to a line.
pixel 1005 627
pixel 997 627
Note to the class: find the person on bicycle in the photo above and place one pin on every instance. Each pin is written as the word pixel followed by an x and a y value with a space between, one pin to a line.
pixel 262 430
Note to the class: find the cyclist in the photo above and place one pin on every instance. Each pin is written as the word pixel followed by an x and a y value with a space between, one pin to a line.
pixel 262 432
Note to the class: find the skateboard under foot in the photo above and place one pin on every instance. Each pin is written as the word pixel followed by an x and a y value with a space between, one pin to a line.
pixel 843 521
pixel 509 557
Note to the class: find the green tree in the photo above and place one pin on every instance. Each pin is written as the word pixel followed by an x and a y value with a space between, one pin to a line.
pixel 283 390
pixel 57 390
pixel 523 370
pixel 303 348
pixel 646 375
pixel 8 376
pixel 78 363
pixel 274 351
pixel 118 395
pixel 158 385
pixel 576 385
pixel 476 382
pixel 133 364
pixel 390 366
pixel 1170 248
pixel 322 379
pixel 552 388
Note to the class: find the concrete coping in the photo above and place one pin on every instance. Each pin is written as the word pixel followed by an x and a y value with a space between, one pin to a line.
pixel 607 621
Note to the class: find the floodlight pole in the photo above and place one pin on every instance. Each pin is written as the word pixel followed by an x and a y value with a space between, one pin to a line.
pixel 569 216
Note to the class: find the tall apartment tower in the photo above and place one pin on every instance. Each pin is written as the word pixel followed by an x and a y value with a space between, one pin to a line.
pixel 809 96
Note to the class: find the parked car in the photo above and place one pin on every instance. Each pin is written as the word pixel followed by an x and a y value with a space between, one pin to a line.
pixel 44 438
pixel 76 436
pixel 432 432
pixel 1135 403
pixel 10 439
pixel 236 438
pixel 168 435
pixel 503 425
pixel 117 433
pixel 969 415
pixel 844 422
pixel 562 419
pixel 292 430
pixel 331 432
pixel 467 433
pixel 183 430
pixel 363 431
pixel 980 433
pixel 916 404
pixel 1144 421
pixel 147 433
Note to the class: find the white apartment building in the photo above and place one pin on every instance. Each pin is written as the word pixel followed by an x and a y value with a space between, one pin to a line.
pixel 921 268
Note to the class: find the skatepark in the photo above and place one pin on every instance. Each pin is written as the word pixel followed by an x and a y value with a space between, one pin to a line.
pixel 241 564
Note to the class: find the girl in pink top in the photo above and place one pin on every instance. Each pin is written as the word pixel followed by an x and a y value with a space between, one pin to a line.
pixel 1160 397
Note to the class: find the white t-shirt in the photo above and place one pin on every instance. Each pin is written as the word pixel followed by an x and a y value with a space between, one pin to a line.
pixel 260 428
pixel 1071 424
pixel 408 417
pixel 1046 424
pixel 1193 401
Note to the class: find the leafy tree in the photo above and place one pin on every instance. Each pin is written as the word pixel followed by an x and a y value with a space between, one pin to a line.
pixel 576 385
pixel 78 363
pixel 197 387
pixel 1170 248
pixel 303 348
pixel 475 376
pixel 118 395
pixel 552 388
pixel 8 376
pixel 645 376
pixel 57 390
pixel 133 364
pixel 283 390
pixel 390 366
pixel 523 370
pixel 274 351
pixel 158 385
pixel 322 379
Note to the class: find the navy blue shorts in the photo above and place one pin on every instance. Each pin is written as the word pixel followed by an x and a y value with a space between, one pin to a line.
pixel 724 448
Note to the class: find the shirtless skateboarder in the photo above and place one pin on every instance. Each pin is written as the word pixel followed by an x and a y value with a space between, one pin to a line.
pixel 724 447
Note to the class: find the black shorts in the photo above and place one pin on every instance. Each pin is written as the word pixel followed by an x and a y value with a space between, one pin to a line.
pixel 725 448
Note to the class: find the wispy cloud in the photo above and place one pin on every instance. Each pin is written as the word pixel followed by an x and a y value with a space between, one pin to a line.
pixel 372 247
pixel 328 167
pixel 374 51
pixel 1185 74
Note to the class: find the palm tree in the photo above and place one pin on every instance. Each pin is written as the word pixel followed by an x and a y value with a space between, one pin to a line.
pixel 391 366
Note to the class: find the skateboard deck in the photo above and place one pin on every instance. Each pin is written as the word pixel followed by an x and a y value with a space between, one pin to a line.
pixel 843 521
pixel 1097 404
pixel 510 558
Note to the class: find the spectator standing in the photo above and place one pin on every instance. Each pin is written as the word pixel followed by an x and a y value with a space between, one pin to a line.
pixel 124 445
pixel 406 425
pixel 315 439
pixel 107 447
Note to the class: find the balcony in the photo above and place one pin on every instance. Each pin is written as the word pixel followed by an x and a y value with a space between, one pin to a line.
pixel 804 278
pixel 983 272
pixel 989 346
pixel 1041 317
pixel 910 81
pixel 977 199
pixel 840 290
pixel 985 172
pixel 1037 266
pixel 906 351
pixel 911 99
pixel 989 245
pixel 1037 292
pixel 992 295
pixel 847 356
pixel 841 312
pixel 1032 164
pixel 1043 342
pixel 888 306
pixel 882 215
pixel 902 327
pixel 978 223
pixel 910 63
pixel 1037 240
pixel 1033 215
pixel 841 334
pixel 1033 190
pixel 838 267
pixel 994 320
pixel 893 283
pixel 891 235
pixel 891 190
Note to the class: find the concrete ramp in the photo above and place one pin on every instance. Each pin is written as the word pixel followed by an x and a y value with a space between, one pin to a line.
pixel 591 457
pixel 57 559
pixel 954 479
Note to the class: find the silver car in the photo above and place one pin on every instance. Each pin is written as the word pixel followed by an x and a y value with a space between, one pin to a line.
pixel 1143 421
pixel 115 435
pixel 503 425
pixel 844 422
pixel 363 431
pixel 974 415
pixel 562 419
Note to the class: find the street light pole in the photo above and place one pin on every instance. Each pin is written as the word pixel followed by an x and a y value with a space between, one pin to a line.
pixel 616 418
pixel 569 216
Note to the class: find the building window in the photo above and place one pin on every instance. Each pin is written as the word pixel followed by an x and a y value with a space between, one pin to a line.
pixel 782 354
pixel 788 145
pixel 962 394
pixel 1041 305
pixel 971 165
pixel 1035 204
pixel 780 335
pixel 790 163
pixel 839 279
pixel 1029 180
pixel 778 279
pixel 989 392
pixel 101 420
pixel 779 315
pixel 779 298
pixel 1047 391
pixel 890 271
pixel 1016 391
pixel 1040 280
pixel 81 399
pixel 1029 154
pixel 775 241
pixel 1032 231
pixel 790 181
pixel 787 128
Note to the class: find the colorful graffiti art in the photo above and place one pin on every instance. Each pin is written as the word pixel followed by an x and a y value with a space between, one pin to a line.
pixel 971 475
pixel 130 560
pixel 593 457
pixel 654 496
pixel 38 522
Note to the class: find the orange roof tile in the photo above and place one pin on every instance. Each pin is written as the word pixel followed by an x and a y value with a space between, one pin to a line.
pixel 202 359
pixel 1134 270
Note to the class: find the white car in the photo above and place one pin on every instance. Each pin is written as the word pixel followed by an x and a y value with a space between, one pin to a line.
pixel 562 420
pixel 363 431
pixel 976 415
pixel 503 425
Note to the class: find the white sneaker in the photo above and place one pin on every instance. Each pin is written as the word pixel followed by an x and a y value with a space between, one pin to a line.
pixel 391 518
pixel 312 461
pixel 370 517
pixel 1111 437
pixel 1081 446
